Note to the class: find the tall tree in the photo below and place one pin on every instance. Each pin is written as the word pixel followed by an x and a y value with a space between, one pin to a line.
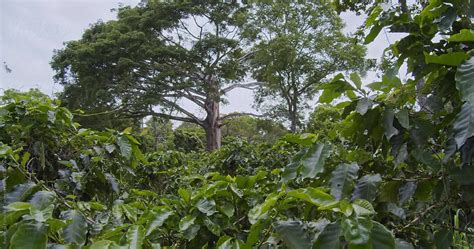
pixel 156 57
pixel 300 44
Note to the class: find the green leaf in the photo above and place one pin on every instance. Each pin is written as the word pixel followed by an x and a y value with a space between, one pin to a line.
pixel 75 232
pixel 17 206
pixel 186 222
pixel 443 239
pixel 342 179
pixel 464 175
pixel 402 117
pixel 449 59
pixel 406 191
pixel 374 32
pixel 312 195
pixel 212 226
pixel 465 35
pixel 254 233
pixel 329 238
pixel 357 230
pixel 363 207
pixel 381 237
pixel 363 105
pixel 42 205
pixel 184 194
pixel 21 192
pixel 293 234
pixel 31 236
pixel 367 187
pixel 388 117
pixel 135 236
pixel 356 79
pixel 206 206
pixel 125 146
pixel 313 160
pixel 465 80
pixel 258 211
pixel 159 217
pixel 463 127
pixel 103 244
pixel 401 244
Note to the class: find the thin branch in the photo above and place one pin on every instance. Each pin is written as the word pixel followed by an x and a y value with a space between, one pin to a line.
pixel 250 86
pixel 239 114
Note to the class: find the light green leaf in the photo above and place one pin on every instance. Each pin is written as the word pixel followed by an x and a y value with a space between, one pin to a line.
pixel 17 206
pixel 381 237
pixel 42 205
pixel 342 179
pixel 125 146
pixel 314 196
pixel 206 206
pixel 465 80
pixel 254 233
pixel 356 79
pixel 329 237
pixel 363 207
pixel 293 234
pixel 465 35
pixel 374 32
pixel 75 232
pixel 30 236
pixel 313 160
pixel 449 59
pixel 102 244
pixel 258 211
pixel 159 217
pixel 135 236
pixel 186 222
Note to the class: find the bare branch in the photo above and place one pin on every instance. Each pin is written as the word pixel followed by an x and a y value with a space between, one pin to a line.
pixel 239 114
pixel 164 115
pixel 250 86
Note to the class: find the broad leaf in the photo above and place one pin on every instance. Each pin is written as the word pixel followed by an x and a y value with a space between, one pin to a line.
pixel 21 192
pixel 159 217
pixel 135 236
pixel 42 205
pixel 342 179
pixel 388 118
pixel 313 161
pixel 381 237
pixel 367 187
pixel 258 211
pixel 206 206
pixel 312 195
pixel 465 80
pixel 465 35
pixel 463 127
pixel 75 232
pixel 357 230
pixel 329 238
pixel 31 236
pixel 293 234
pixel 125 146
pixel 449 59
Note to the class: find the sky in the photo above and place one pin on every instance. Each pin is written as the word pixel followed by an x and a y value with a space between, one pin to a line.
pixel 32 29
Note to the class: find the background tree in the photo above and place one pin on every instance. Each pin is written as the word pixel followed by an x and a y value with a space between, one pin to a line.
pixel 323 120
pixel 155 57
pixel 157 134
pixel 299 46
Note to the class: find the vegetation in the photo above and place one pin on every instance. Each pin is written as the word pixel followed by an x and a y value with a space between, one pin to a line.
pixel 390 165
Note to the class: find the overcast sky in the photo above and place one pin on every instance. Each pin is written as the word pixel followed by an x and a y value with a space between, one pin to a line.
pixel 32 29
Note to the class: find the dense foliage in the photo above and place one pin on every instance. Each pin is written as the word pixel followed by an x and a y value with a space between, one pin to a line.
pixel 395 171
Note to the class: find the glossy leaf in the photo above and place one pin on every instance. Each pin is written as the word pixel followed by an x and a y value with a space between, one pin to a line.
pixel 293 234
pixel 31 236
pixel 75 232
pixel 342 179
pixel 135 236
pixel 367 187
pixel 329 237
pixel 465 80
pixel 381 237
pixel 464 124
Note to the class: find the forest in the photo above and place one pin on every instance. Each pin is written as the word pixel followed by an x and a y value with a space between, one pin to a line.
pixel 135 151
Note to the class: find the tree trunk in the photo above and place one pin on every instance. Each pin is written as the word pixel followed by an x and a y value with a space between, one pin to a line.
pixel 212 126
pixel 294 115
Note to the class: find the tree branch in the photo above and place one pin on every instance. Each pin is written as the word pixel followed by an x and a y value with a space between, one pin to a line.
pixel 239 114
pixel 250 86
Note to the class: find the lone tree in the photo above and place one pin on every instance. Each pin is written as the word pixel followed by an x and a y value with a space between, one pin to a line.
pixel 299 45
pixel 154 58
